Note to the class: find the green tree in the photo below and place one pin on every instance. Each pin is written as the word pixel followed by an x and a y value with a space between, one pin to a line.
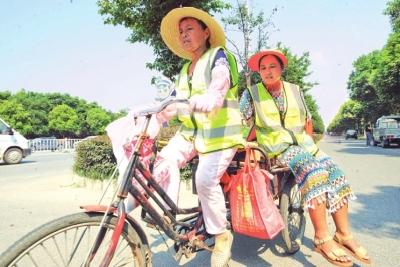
pixel 257 27
pixel 97 119
pixel 39 105
pixel 318 123
pixel 362 88
pixel 387 81
pixel 144 19
pixel 63 120
pixel 297 72
pixel 393 11
pixel 16 116
pixel 374 81
pixel 348 117
pixel 5 95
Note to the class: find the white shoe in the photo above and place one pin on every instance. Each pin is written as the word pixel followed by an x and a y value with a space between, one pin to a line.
pixel 222 250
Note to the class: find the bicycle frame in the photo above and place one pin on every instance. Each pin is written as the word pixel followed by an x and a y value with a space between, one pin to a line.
pixel 196 236
pixel 152 187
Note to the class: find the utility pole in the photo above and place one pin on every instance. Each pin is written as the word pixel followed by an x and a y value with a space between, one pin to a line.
pixel 247 42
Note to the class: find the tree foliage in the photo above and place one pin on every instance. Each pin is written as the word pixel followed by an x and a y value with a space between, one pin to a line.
pixel 347 117
pixel 16 115
pixel 97 119
pixel 29 113
pixel 393 11
pixel 374 82
pixel 95 158
pixel 63 119
pixel 297 72
pixel 144 19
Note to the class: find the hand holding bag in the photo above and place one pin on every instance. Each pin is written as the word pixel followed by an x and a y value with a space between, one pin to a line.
pixel 253 210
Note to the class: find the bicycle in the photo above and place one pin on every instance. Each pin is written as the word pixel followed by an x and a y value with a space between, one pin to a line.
pixel 108 236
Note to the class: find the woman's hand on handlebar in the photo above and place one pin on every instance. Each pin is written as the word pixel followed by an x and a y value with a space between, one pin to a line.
pixel 167 113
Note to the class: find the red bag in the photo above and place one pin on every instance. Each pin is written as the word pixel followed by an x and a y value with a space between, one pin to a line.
pixel 253 210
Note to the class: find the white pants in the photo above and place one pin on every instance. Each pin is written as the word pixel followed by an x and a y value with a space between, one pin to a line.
pixel 209 171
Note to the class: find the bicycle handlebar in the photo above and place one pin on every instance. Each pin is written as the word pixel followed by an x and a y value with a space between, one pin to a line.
pixel 161 105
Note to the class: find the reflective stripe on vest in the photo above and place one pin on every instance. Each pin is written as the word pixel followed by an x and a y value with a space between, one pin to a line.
pixel 221 128
pixel 274 134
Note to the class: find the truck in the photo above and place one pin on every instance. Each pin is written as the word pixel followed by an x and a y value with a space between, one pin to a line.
pixel 387 131
pixel 13 145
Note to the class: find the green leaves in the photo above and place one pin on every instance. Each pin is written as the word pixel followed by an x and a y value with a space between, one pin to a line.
pixel 374 82
pixel 144 19
pixel 95 158
pixel 347 117
pixel 53 114
pixel 97 119
pixel 393 10
pixel 63 119
pixel 16 115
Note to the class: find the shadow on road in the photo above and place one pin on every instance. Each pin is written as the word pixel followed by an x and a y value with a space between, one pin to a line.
pixel 245 251
pixel 23 162
pixel 380 213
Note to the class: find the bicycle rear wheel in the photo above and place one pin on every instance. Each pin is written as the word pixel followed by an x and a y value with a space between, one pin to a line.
pixel 66 242
pixel 293 217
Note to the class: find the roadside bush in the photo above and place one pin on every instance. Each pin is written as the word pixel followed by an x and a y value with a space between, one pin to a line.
pixel 95 159
pixel 165 134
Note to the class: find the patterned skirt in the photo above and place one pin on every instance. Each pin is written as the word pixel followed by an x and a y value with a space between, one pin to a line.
pixel 318 177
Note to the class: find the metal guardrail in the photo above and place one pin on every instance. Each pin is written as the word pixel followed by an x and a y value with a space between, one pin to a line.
pixel 52 144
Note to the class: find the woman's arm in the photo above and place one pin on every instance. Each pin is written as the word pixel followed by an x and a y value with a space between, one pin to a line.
pixel 219 86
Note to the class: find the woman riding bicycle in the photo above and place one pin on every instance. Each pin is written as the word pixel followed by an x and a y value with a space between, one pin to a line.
pixel 213 129
pixel 279 111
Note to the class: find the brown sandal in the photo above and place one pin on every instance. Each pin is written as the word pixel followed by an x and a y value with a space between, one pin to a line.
pixel 359 253
pixel 333 255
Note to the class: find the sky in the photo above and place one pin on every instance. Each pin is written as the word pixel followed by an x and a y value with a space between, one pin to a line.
pixel 64 46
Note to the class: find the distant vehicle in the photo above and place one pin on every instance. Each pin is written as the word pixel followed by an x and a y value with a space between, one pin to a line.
pixel 46 143
pixel 387 131
pixel 351 133
pixel 13 146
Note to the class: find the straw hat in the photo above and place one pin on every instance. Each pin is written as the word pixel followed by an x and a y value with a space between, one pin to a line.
pixel 170 29
pixel 254 60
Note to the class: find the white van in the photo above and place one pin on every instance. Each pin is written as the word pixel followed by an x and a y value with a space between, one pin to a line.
pixel 13 146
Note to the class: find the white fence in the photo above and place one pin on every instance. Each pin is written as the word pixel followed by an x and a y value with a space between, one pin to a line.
pixel 52 144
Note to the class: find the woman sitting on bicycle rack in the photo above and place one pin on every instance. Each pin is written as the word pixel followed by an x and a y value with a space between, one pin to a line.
pixel 280 112
pixel 213 129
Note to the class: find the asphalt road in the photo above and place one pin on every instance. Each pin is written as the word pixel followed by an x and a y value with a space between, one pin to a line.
pixel 43 188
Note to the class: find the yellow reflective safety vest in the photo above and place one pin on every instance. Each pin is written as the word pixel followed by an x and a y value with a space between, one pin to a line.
pixel 276 132
pixel 221 128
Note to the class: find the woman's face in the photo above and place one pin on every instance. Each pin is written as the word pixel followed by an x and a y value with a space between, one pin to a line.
pixel 192 36
pixel 270 69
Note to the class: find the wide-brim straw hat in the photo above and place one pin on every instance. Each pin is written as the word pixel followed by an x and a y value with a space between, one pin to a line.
pixel 170 29
pixel 254 60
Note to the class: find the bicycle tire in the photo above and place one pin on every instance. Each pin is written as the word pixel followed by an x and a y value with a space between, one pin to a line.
pixel 293 217
pixel 59 243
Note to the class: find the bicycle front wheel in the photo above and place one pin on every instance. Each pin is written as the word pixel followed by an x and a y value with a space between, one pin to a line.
pixel 67 241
